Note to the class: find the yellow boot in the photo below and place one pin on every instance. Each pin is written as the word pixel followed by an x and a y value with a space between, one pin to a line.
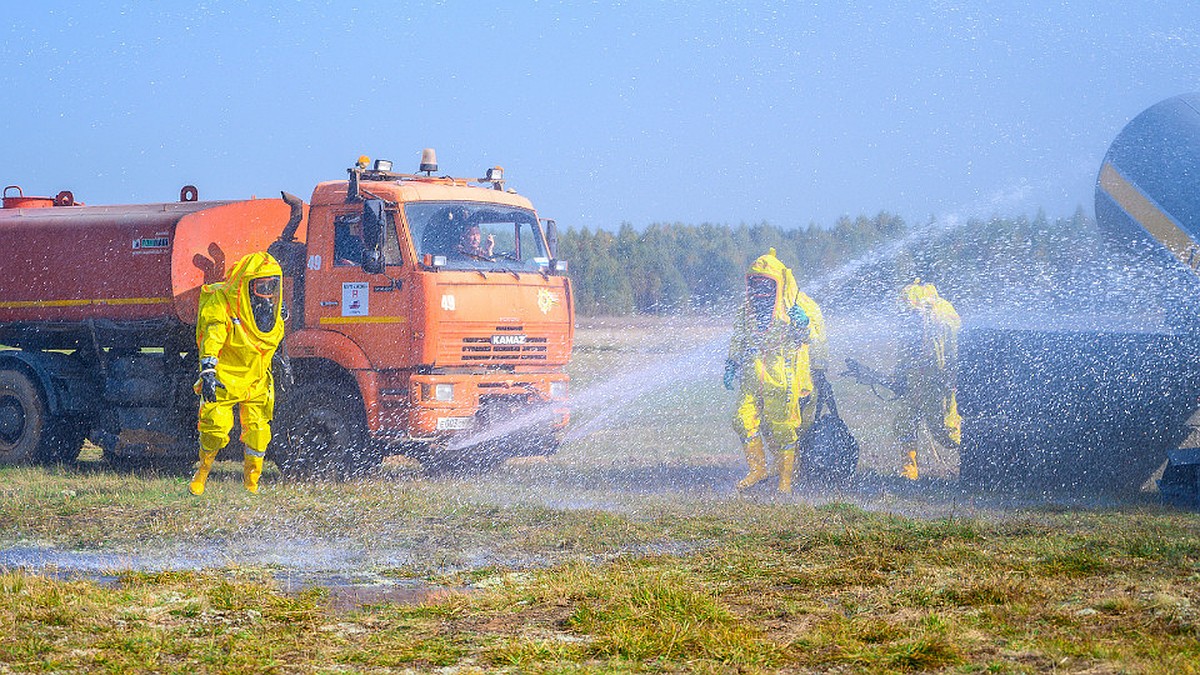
pixel 757 459
pixel 787 466
pixel 910 470
pixel 252 466
pixel 952 419
pixel 196 487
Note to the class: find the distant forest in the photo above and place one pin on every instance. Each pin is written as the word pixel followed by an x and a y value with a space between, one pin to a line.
pixel 1042 263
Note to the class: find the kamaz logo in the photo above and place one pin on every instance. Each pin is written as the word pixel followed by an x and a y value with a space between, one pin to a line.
pixel 508 339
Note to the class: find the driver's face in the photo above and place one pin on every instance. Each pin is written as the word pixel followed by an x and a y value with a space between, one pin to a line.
pixel 472 237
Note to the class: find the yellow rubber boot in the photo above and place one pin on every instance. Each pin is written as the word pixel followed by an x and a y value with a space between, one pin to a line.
pixel 251 469
pixel 910 470
pixel 757 459
pixel 196 487
pixel 787 466
pixel 952 419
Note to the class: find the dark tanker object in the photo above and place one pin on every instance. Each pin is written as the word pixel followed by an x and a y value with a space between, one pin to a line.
pixel 1104 407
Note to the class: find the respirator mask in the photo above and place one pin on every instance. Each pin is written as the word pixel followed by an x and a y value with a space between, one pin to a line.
pixel 760 291
pixel 264 302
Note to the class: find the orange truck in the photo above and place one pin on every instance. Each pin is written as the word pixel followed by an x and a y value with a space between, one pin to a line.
pixel 428 316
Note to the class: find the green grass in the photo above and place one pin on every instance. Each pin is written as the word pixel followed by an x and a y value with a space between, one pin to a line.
pixel 768 586
pixel 627 552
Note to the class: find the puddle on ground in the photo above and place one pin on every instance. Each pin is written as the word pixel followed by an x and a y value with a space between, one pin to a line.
pixel 351 592
pixel 349 598
pixel 345 591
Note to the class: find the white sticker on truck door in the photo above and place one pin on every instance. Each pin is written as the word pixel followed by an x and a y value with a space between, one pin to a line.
pixel 355 298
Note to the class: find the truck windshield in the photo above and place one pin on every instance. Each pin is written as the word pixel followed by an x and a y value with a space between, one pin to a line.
pixel 478 236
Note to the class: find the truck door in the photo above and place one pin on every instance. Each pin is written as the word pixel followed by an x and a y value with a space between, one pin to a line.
pixel 372 309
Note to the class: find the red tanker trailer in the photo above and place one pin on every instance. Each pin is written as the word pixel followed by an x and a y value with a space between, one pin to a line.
pixel 396 345
pixel 69 263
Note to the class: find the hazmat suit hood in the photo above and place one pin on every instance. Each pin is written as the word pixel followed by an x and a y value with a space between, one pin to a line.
pixel 919 296
pixel 261 316
pixel 925 299
pixel 766 272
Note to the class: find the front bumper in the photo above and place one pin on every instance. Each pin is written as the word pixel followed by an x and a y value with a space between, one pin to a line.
pixel 479 401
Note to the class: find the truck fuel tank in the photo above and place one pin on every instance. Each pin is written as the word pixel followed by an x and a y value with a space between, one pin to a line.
pixel 124 263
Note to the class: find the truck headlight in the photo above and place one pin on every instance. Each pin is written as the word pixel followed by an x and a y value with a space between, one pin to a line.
pixel 558 390
pixel 443 392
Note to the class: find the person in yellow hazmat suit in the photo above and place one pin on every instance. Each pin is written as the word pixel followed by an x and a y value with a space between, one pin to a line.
pixel 238 328
pixel 778 353
pixel 926 377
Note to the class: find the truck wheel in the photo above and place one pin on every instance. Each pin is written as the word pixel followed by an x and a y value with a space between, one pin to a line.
pixel 27 431
pixel 320 437
pixel 23 418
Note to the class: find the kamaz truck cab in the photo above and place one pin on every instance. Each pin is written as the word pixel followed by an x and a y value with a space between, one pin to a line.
pixel 406 339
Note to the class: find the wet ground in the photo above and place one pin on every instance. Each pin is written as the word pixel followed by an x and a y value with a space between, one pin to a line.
pixel 345 590
pixel 653 437
pixel 359 571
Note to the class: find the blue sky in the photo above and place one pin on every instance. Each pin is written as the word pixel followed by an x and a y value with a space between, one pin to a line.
pixel 602 113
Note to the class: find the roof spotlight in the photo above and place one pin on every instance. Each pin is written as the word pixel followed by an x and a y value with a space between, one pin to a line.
pixel 383 165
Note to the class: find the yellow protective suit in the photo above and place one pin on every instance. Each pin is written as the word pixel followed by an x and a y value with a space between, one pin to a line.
pixel 226 330
pixel 776 398
pixel 928 368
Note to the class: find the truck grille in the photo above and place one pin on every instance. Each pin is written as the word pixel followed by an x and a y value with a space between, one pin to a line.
pixel 530 348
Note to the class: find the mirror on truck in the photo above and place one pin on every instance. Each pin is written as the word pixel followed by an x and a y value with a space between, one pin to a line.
pixel 373 222
pixel 552 237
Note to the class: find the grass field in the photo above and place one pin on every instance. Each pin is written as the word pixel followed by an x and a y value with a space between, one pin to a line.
pixel 626 552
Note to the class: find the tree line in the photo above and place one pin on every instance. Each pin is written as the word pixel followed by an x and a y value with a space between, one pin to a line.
pixel 664 268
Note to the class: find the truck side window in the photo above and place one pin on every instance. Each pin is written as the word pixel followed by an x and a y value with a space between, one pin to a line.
pixel 391 241
pixel 348 241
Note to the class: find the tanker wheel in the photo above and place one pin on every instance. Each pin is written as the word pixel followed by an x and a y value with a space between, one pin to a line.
pixel 23 418
pixel 27 431
pixel 319 437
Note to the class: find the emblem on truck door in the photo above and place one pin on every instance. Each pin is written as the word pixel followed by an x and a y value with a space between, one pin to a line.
pixel 546 300
pixel 355 299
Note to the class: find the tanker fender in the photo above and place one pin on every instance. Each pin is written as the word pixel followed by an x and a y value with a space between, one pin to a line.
pixel 333 358
pixel 67 385
pixel 326 344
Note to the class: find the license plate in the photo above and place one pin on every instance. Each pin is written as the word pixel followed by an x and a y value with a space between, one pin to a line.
pixel 453 423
